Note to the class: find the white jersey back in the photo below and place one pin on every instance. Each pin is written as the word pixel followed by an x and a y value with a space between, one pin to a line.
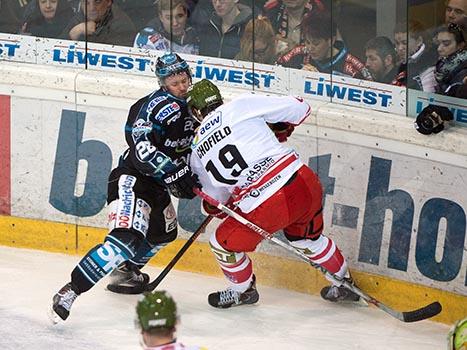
pixel 235 153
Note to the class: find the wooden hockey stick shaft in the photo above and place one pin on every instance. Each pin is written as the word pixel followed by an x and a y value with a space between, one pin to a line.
pixel 152 285
pixel 408 316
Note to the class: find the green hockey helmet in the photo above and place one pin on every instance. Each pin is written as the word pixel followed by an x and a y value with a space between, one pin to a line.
pixel 457 337
pixel 203 97
pixel 156 310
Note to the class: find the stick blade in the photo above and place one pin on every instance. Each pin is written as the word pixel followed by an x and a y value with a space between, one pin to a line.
pixel 423 313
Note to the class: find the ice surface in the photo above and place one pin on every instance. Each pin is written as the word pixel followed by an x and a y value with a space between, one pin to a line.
pixel 102 320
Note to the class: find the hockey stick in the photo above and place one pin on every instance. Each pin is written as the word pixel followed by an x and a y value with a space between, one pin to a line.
pixel 405 316
pixel 151 286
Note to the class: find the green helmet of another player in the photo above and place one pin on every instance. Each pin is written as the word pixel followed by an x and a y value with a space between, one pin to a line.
pixel 457 336
pixel 156 310
pixel 203 97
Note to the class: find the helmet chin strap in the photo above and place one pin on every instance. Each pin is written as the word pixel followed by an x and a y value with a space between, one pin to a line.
pixel 197 115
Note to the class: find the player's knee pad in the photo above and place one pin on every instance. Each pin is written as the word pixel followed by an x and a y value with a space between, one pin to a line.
pixel 129 213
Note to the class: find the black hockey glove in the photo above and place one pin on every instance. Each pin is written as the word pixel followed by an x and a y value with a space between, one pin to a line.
pixel 282 130
pixel 181 181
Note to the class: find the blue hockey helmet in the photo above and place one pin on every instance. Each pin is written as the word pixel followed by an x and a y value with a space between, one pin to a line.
pixel 170 64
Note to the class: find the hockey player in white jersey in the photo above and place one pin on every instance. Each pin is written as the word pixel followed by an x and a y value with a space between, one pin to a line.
pixel 240 162
pixel 157 318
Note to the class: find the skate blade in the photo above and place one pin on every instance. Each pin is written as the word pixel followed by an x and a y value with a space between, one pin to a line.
pixel 361 302
pixel 53 317
pixel 122 289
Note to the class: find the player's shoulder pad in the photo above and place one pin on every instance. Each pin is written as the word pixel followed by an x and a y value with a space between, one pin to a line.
pixel 155 100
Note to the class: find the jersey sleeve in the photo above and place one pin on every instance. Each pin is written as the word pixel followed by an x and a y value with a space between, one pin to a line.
pixel 146 134
pixel 275 109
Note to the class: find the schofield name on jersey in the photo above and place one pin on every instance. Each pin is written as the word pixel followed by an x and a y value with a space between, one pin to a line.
pixel 211 140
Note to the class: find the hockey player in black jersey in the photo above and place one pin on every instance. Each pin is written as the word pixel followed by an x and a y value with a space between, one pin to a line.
pixel 142 219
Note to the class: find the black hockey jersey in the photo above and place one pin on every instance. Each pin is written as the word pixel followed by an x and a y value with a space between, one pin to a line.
pixel 158 131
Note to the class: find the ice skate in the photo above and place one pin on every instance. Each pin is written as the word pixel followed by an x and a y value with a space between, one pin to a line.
pixel 229 297
pixel 339 294
pixel 128 279
pixel 62 302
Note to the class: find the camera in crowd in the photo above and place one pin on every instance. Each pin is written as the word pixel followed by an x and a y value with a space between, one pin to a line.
pixel 431 119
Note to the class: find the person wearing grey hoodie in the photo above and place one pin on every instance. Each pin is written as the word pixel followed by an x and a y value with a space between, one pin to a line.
pixel 220 36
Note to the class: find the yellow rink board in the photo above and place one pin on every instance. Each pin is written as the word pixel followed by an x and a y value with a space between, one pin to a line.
pixel 271 270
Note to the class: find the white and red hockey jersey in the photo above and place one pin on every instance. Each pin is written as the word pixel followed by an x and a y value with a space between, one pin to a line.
pixel 235 153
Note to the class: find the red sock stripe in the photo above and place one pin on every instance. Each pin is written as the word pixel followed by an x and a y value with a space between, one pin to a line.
pixel 335 262
pixel 241 275
pixel 325 251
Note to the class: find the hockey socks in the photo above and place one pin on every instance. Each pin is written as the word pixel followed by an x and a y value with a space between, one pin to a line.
pixel 237 267
pixel 100 261
pixel 324 252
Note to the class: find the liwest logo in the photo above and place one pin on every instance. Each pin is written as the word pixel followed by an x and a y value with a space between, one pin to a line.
pixel 8 49
pixel 342 92
pixel 235 76
pixel 75 55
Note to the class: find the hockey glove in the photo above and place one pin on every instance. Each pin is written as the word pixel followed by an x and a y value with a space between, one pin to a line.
pixel 213 211
pixel 282 130
pixel 181 181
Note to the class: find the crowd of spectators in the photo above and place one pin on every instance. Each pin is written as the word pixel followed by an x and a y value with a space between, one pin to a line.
pixel 301 34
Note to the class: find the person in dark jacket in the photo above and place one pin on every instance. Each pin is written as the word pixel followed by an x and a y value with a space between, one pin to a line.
pixel 286 17
pixel 105 23
pixel 322 51
pixel 169 31
pixel 451 68
pixel 381 61
pixel 46 18
pixel 11 15
pixel 221 35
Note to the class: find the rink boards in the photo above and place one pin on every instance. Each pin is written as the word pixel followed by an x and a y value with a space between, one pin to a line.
pixel 395 200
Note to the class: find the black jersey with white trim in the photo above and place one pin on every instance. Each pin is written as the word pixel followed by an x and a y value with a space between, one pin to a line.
pixel 158 131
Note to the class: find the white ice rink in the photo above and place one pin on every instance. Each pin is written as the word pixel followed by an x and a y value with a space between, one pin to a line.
pixel 102 320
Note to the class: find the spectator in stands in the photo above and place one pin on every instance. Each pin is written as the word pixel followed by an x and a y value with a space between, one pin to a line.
pixel 456 12
pixel 201 10
pixel 381 61
pixel 451 68
pixel 322 52
pixel 286 17
pixel 105 23
pixel 46 18
pixel 11 15
pixel 169 30
pixel 415 55
pixel 221 35
pixel 262 46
